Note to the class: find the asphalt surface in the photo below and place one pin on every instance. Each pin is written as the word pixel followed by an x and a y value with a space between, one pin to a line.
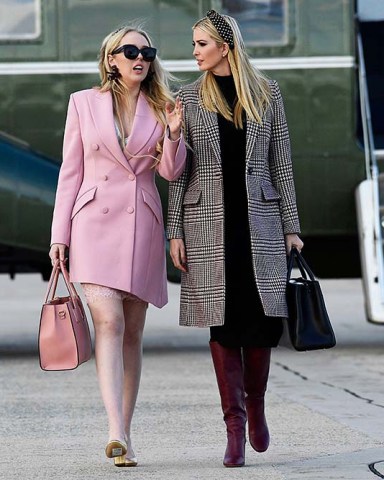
pixel 325 409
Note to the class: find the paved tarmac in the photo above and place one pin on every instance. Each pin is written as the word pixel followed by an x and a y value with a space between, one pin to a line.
pixel 324 409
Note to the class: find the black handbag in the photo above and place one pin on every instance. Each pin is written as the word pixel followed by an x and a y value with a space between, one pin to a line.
pixel 309 326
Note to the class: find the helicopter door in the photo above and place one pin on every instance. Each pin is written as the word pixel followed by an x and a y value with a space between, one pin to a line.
pixel 370 192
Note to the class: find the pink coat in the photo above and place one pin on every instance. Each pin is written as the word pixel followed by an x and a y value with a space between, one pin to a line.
pixel 108 208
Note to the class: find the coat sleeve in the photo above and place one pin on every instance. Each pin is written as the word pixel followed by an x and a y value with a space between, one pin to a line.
pixel 70 177
pixel 172 161
pixel 280 163
pixel 178 187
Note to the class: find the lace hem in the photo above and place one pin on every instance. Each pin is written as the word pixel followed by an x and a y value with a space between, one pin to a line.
pixel 93 293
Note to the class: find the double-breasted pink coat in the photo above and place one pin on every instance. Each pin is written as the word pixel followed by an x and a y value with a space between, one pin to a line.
pixel 108 209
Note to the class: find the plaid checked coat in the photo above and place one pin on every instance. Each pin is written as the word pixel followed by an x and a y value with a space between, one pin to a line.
pixel 196 209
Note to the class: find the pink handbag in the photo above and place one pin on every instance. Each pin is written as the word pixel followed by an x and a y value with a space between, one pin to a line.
pixel 64 340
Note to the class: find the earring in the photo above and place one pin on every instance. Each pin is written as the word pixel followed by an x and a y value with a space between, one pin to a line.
pixel 114 74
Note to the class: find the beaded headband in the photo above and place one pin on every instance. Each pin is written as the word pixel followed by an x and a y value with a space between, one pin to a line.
pixel 222 26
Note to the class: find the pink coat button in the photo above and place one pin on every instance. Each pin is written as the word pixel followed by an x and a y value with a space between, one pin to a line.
pixel 130 209
pixel 105 210
pixel 95 146
pixel 131 177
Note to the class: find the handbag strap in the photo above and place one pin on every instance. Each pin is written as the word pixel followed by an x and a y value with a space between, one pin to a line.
pixel 59 267
pixel 304 268
pixel 52 283
pixel 70 286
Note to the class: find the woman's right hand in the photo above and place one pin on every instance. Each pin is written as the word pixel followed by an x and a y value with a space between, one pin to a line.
pixel 178 255
pixel 57 252
pixel 174 118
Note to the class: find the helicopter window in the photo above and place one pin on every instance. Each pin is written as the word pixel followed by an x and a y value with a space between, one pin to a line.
pixel 262 22
pixel 20 19
pixel 370 10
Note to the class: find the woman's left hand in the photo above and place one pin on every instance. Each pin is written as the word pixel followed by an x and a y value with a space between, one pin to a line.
pixel 174 118
pixel 293 240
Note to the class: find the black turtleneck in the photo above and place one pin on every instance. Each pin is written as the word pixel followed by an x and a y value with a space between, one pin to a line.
pixel 232 145
pixel 227 87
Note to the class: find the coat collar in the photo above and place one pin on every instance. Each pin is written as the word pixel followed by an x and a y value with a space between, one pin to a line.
pixel 144 124
pixel 212 127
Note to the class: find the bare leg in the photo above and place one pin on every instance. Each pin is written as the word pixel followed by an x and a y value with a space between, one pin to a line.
pixel 135 313
pixel 108 319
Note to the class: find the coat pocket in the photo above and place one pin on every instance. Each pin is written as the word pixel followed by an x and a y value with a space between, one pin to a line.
pixel 269 192
pixel 85 198
pixel 192 197
pixel 153 205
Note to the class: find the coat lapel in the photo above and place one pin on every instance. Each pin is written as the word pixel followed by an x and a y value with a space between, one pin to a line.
pixel 252 133
pixel 102 114
pixel 144 125
pixel 212 128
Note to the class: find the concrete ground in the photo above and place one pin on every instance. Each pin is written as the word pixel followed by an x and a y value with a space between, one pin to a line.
pixel 324 408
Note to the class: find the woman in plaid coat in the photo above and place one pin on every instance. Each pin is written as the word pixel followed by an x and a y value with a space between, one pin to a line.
pixel 232 220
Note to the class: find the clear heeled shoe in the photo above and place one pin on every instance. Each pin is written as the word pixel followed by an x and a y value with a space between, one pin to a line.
pixel 116 449
pixel 123 461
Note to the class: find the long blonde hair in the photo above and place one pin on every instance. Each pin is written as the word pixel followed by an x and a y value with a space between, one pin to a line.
pixel 252 87
pixel 155 86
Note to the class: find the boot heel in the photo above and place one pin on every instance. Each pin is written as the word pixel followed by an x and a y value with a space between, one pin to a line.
pixel 234 454
pixel 256 372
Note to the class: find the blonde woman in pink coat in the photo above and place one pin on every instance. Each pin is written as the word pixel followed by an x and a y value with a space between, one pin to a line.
pixel 108 212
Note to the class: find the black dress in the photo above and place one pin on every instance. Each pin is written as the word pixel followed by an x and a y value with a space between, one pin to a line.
pixel 252 328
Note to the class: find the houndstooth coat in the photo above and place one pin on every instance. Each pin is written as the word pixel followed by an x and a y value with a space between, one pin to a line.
pixel 196 209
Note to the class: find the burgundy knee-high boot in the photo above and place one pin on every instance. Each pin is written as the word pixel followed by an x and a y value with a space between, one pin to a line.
pixel 256 372
pixel 228 364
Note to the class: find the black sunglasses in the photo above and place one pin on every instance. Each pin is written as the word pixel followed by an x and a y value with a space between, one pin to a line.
pixel 132 52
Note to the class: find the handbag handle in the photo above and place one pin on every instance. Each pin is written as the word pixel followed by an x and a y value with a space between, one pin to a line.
pixel 69 284
pixel 52 283
pixel 58 267
pixel 301 263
